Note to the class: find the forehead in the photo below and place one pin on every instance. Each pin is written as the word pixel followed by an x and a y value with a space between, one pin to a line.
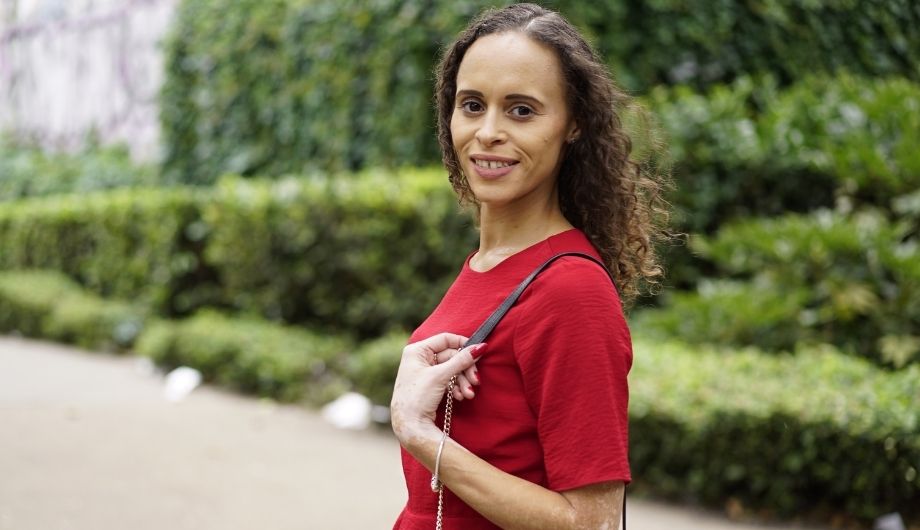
pixel 511 62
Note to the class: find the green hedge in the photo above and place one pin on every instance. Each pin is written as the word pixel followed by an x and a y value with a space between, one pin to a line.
pixel 852 280
pixel 142 244
pixel 28 171
pixel 251 355
pixel 815 432
pixel 358 253
pixel 280 86
pixel 47 304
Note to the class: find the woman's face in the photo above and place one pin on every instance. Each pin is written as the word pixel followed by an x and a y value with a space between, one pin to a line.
pixel 510 120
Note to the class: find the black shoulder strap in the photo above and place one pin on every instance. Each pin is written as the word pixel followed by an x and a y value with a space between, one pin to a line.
pixel 486 328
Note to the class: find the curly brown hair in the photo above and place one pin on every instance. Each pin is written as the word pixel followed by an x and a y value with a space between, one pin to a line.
pixel 615 200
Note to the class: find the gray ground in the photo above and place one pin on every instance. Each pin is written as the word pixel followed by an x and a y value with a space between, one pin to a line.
pixel 88 442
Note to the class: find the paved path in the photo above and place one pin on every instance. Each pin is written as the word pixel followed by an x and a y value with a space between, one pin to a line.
pixel 87 442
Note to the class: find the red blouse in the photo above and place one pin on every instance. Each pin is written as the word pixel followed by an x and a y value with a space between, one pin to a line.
pixel 551 405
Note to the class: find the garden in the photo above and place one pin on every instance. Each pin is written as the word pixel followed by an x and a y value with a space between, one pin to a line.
pixel 298 227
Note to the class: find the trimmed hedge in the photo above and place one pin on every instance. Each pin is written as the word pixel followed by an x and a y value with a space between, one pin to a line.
pixel 280 86
pixel 142 244
pixel 353 254
pixel 815 432
pixel 47 304
pixel 358 253
pixel 251 355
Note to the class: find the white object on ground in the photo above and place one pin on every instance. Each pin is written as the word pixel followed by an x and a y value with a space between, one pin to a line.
pixel 350 411
pixel 892 521
pixel 180 383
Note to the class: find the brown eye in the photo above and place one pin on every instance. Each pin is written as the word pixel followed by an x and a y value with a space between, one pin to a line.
pixel 522 111
pixel 471 106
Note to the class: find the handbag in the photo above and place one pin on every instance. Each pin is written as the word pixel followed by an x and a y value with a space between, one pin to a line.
pixel 478 336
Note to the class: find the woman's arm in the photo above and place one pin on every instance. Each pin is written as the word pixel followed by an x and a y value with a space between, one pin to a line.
pixel 508 501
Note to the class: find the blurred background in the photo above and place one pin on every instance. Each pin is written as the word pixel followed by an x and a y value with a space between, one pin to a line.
pixel 251 188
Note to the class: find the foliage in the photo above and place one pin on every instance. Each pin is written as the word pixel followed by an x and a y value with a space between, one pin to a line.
pixel 281 86
pixel 356 253
pixel 250 355
pixel 361 254
pixel 852 280
pixel 138 243
pixel 47 304
pixel 751 148
pixel 814 432
pixel 372 368
pixel 28 171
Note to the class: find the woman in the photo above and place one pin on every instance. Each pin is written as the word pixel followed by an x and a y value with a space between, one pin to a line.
pixel 538 435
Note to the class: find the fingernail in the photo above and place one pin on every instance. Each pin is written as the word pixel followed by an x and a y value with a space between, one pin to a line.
pixel 469 388
pixel 477 350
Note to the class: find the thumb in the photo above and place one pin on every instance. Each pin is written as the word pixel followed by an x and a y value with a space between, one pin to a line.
pixel 462 360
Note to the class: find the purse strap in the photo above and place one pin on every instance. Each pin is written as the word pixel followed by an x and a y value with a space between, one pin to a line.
pixel 486 327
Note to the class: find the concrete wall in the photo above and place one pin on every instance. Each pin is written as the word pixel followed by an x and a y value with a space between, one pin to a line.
pixel 71 67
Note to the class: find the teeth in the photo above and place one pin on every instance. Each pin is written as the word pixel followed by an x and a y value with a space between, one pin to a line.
pixel 491 164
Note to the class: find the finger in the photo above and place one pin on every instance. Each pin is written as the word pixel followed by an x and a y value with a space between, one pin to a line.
pixel 466 388
pixel 472 374
pixel 461 361
pixel 458 395
pixel 440 342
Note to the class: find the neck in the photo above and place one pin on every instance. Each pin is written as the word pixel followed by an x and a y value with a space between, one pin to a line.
pixel 509 228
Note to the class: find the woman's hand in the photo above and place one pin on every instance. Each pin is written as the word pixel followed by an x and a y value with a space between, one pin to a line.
pixel 421 381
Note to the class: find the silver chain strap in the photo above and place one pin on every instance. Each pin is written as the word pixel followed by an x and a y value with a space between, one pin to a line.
pixel 448 412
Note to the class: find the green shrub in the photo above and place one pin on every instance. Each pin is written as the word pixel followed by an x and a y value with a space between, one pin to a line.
pixel 852 280
pixel 27 171
pixel 815 432
pixel 47 304
pixel 141 244
pixel 280 86
pixel 730 312
pixel 750 148
pixel 250 355
pixel 362 254
pixel 372 368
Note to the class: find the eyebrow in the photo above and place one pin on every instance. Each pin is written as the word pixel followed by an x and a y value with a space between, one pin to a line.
pixel 479 94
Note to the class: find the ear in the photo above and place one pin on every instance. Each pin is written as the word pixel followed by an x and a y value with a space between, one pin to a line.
pixel 574 133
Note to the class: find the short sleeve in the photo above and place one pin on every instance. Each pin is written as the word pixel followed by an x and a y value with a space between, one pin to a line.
pixel 574 351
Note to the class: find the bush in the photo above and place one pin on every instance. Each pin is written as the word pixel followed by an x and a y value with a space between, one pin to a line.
pixel 818 432
pixel 361 254
pixel 46 304
pixel 27 171
pixel 139 244
pixel 372 368
pixel 751 148
pixel 250 355
pixel 852 280
pixel 282 86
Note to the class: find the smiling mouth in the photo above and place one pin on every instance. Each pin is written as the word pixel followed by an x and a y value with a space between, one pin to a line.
pixel 492 164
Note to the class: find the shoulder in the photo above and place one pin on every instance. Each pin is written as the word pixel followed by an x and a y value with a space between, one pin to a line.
pixel 574 279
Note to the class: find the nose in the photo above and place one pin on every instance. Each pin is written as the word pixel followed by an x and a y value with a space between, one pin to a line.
pixel 491 129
